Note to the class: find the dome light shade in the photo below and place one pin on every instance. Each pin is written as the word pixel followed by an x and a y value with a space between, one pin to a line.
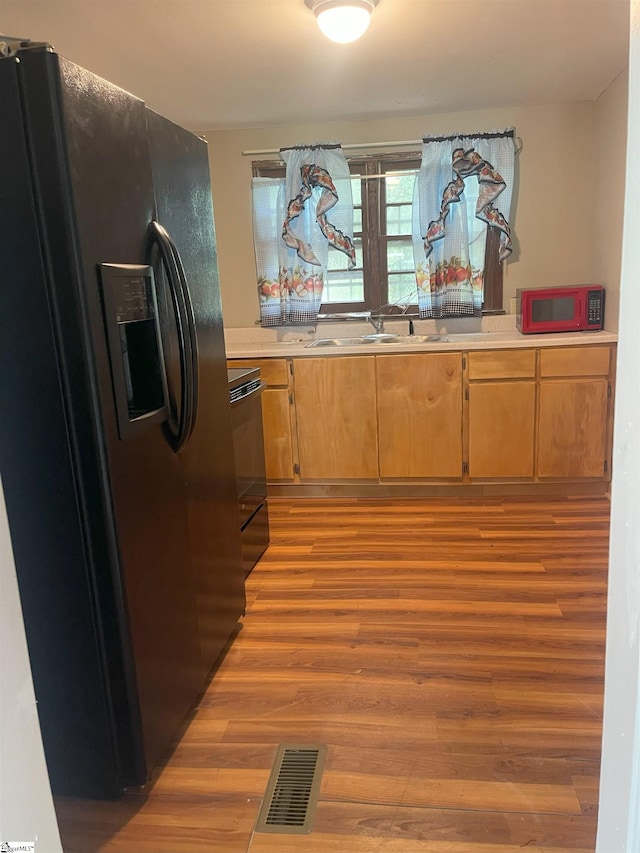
pixel 342 20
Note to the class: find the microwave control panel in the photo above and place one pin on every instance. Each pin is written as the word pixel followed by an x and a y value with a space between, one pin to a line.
pixel 595 302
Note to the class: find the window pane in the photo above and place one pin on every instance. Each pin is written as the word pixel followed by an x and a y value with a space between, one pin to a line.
pixel 356 190
pixel 399 255
pixel 357 220
pixel 399 187
pixel 343 287
pixel 399 219
pixel 402 289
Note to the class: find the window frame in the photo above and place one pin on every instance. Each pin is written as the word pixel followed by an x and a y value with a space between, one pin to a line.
pixel 374 241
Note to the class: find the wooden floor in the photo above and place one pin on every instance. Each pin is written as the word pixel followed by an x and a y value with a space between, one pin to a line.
pixel 450 653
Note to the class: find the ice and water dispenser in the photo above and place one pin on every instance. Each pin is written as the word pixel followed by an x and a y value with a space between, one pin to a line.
pixel 135 346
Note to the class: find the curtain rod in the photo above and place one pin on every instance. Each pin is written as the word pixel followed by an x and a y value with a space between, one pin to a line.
pixel 258 152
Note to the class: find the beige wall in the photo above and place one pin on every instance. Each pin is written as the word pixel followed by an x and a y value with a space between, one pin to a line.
pixel 553 202
pixel 611 151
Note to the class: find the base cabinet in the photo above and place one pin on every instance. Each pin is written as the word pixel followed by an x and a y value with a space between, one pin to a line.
pixel 572 428
pixel 501 414
pixel 501 429
pixel 574 413
pixel 276 419
pixel 482 418
pixel 420 415
pixel 336 418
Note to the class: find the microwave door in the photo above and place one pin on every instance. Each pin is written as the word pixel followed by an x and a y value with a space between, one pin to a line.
pixel 555 312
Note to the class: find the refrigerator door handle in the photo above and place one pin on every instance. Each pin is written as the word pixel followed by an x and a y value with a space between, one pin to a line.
pixel 191 328
pixel 179 435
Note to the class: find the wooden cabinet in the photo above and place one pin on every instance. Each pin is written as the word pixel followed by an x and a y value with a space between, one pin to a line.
pixel 522 415
pixel 502 364
pixel 420 415
pixel 277 405
pixel 575 361
pixel 501 428
pixel 574 413
pixel 336 418
pixel 501 414
pixel 276 423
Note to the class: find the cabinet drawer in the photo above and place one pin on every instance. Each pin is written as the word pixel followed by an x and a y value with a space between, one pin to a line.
pixel 502 364
pixel 575 361
pixel 273 371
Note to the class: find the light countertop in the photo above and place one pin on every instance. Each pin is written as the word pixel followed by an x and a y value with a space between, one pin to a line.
pixel 467 335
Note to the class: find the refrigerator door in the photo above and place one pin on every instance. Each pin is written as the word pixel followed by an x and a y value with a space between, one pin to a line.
pixel 180 166
pixel 61 528
pixel 92 172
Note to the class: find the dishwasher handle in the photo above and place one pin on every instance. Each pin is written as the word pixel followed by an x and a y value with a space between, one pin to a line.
pixel 254 392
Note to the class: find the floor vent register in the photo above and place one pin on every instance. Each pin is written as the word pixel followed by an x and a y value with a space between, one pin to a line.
pixel 292 791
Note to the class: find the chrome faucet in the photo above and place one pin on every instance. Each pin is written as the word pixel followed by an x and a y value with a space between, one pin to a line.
pixel 377 322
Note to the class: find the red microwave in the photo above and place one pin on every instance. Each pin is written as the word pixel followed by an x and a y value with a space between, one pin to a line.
pixel 560 309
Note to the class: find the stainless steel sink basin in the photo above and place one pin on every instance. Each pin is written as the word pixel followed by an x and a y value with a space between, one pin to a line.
pixel 376 339
pixel 339 342
pixel 416 339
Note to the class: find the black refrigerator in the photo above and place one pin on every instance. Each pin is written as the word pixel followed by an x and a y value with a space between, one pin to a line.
pixel 115 428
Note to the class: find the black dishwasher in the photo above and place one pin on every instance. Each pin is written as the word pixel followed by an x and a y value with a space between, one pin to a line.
pixel 245 392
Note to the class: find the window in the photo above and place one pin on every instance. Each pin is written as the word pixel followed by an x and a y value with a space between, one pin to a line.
pixel 384 275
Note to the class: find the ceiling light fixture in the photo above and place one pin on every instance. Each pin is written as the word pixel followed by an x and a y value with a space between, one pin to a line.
pixel 342 20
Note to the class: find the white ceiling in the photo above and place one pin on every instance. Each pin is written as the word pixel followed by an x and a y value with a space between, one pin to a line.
pixel 211 64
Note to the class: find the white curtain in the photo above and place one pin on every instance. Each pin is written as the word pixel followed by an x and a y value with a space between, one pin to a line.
pixel 268 208
pixel 464 183
pixel 295 220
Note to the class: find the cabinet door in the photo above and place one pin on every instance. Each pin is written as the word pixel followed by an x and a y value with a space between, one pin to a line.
pixel 501 429
pixel 336 417
pixel 420 415
pixel 572 428
pixel 276 424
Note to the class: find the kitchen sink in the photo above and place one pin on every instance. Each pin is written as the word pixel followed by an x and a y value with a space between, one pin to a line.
pixel 339 342
pixel 381 339
pixel 416 339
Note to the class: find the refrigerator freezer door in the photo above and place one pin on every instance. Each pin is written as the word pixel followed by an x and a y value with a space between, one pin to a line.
pixel 112 186
pixel 90 746
pixel 134 587
pixel 184 207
